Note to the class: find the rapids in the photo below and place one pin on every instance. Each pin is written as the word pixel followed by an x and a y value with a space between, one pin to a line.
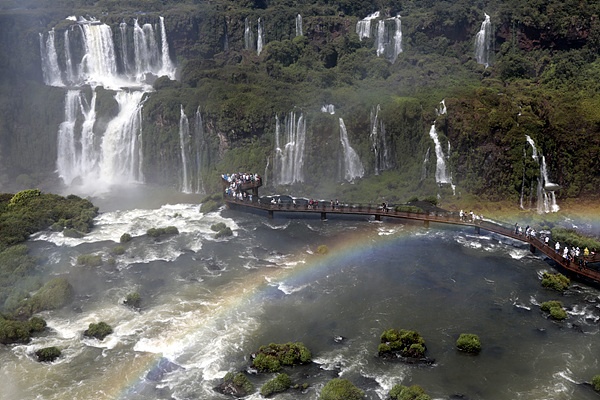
pixel 208 303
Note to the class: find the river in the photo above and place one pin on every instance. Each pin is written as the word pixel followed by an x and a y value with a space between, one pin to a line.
pixel 209 303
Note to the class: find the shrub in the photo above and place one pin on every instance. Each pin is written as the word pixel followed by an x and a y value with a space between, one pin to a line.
pixel 237 385
pixel 133 300
pixel 224 232
pixel 218 227
pixel 596 383
pixel 12 331
pixel 280 383
pixel 89 260
pixel 557 281
pixel 403 342
pixel 48 354
pixel 469 343
pixel 341 389
pixel 555 309
pixel 408 209
pixel 270 358
pixel 98 331
pixel 118 250
pixel 156 232
pixel 322 249
pixel 22 198
pixel 431 200
pixel 414 392
pixel 126 237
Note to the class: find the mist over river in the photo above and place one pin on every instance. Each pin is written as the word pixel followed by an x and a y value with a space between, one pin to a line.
pixel 208 303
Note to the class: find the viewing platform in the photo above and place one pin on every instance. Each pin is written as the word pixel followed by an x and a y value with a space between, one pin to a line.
pixel 251 201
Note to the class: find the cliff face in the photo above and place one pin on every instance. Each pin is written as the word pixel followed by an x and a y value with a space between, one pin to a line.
pixel 230 95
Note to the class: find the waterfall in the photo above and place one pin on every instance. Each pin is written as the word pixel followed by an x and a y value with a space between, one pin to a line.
pixel 532 143
pixel 66 164
pixel 70 71
pixel 546 196
pixel 299 25
pixel 328 108
pixel 389 38
pixel 98 65
pixel 122 141
pixel 425 165
pixel 397 39
pixel 289 160
pixel 261 40
pixel 380 42
pixel 441 110
pixel 352 166
pixel 50 68
pixel 363 27
pixel 200 144
pixel 379 142
pixel 125 48
pixel 248 36
pixel 184 144
pixel 167 66
pixel 483 41
pixel 145 50
pixel 440 167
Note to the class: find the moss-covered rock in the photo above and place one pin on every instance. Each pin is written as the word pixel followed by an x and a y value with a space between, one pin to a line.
pixel 225 232
pixel 280 383
pixel 90 260
pixel 402 343
pixel 469 343
pixel 133 300
pixel 414 392
pixel 340 389
pixel 118 250
pixel 55 294
pixel 272 357
pixel 209 206
pixel 13 331
pixel 98 330
pixel 555 309
pixel 557 281
pixel 157 232
pixel 236 385
pixel 218 226
pixel 125 238
pixel 48 354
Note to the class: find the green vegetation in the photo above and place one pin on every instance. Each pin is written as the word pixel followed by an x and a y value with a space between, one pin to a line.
pixel 118 250
pixel 13 331
pixel 125 238
pixel 157 232
pixel 89 260
pixel 556 281
pixel 237 385
pixel 218 226
pixel 596 383
pixel 98 330
pixel 403 342
pixel 211 203
pixel 272 357
pixel 48 354
pixel 575 239
pixel 221 229
pixel 340 389
pixel 555 309
pixel 414 392
pixel 469 343
pixel 322 249
pixel 55 294
pixel 133 300
pixel 280 383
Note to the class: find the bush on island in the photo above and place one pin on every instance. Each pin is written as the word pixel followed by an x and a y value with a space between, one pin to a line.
pixel 118 250
pixel 13 331
pixel 53 295
pixel 270 358
pixel 90 260
pixel 596 383
pixel 133 300
pixel 280 383
pixel 126 237
pixel 98 331
pixel 237 385
pixel 557 281
pixel 414 392
pixel 340 389
pixel 403 342
pixel 48 354
pixel 218 226
pixel 469 343
pixel 555 309
pixel 156 232
pixel 322 249
pixel 224 233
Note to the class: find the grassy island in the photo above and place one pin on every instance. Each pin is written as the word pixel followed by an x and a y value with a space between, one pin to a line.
pixel 271 358
pixel 414 392
pixel 341 389
pixel 403 343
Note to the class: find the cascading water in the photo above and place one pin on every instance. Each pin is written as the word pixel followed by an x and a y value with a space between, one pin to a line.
pixel 115 155
pixel 483 41
pixel 425 165
pixel 532 143
pixel 328 108
pixel 363 27
pixel 50 68
pixel 200 144
pixel 289 160
pixel 379 142
pixel 299 25
pixel 546 196
pixel 261 39
pixel 184 144
pixel 441 175
pixel 352 166
pixel 248 35
pixel 389 38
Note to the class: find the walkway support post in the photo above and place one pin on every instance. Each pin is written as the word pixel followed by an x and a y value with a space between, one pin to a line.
pixel 477 230
pixel 532 248
pixel 323 216
pixel 270 214
pixel 426 223
pixel 377 217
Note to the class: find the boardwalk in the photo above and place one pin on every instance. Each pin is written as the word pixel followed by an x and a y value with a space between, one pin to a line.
pixel 452 218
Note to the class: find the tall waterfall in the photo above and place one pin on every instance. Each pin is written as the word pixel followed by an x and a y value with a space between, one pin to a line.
pixel 379 143
pixel 352 166
pixel 299 25
pixel 84 153
pixel 483 41
pixel 289 160
pixel 248 35
pixel 532 144
pixel 328 108
pixel 261 37
pixel 425 165
pixel 389 38
pixel 441 175
pixel 363 27
pixel 201 147
pixel 50 68
pixel 546 196
pixel 184 144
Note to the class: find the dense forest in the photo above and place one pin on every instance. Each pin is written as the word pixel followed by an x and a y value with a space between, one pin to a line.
pixel 540 80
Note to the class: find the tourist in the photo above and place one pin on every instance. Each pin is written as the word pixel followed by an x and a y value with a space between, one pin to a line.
pixel 586 252
pixel 516 227
pixel 546 240
pixel 557 247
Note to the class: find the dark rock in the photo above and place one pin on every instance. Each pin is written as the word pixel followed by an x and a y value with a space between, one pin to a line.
pixel 163 367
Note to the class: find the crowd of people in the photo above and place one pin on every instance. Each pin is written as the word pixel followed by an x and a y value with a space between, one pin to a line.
pixel 469 217
pixel 236 180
